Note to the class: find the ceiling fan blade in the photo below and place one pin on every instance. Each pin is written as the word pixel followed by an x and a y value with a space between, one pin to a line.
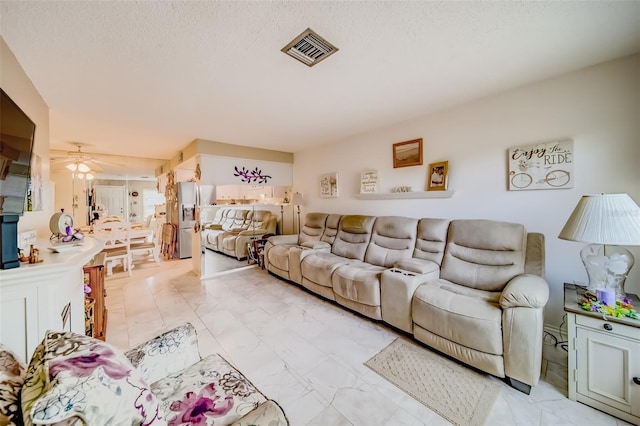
pixel 106 163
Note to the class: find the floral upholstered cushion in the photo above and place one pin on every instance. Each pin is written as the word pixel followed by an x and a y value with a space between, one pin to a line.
pixel 267 414
pixel 73 377
pixel 166 354
pixel 210 392
pixel 12 373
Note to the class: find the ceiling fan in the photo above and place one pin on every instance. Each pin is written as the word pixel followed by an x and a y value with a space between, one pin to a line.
pixel 82 164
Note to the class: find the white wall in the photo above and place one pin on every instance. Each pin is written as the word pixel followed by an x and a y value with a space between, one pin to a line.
pixel 19 87
pixel 220 170
pixel 598 107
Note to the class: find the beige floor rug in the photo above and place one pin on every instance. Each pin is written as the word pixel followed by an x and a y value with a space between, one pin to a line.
pixel 457 393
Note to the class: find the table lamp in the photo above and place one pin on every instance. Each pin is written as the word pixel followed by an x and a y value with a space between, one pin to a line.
pixel 298 201
pixel 607 221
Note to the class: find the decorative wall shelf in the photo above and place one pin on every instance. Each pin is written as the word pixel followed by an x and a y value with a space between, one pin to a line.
pixel 401 195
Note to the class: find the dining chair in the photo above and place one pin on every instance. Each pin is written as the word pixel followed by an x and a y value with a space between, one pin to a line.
pixel 150 248
pixel 117 247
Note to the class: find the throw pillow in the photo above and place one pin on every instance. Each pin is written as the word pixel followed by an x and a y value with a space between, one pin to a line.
pixel 210 392
pixel 12 373
pixel 76 376
pixel 166 354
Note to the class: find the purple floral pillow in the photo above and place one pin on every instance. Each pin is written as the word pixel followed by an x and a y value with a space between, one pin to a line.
pixel 12 373
pixel 72 375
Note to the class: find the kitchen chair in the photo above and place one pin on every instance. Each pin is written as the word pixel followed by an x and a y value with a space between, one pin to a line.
pixel 146 249
pixel 117 247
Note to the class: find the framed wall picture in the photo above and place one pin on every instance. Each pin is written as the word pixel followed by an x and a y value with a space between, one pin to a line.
pixel 437 175
pixel 329 185
pixel 544 165
pixel 369 182
pixel 407 153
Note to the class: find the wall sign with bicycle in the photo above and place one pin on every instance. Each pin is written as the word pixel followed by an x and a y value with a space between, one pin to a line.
pixel 545 165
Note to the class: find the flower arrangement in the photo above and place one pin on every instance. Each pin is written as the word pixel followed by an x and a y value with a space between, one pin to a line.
pixel 623 308
pixel 87 289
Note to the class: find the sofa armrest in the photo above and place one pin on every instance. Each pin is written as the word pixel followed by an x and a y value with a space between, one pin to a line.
pixel 166 354
pixel 214 226
pixel 417 266
pixel 522 301
pixel 253 233
pixel 525 291
pixel 268 413
pixel 316 245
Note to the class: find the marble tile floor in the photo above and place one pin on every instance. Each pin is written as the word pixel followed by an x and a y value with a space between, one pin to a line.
pixel 307 353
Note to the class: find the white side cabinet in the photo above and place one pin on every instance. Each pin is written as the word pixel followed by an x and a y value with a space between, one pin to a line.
pixel 44 296
pixel 604 359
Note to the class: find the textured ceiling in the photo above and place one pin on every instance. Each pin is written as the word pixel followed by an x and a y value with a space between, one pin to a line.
pixel 146 78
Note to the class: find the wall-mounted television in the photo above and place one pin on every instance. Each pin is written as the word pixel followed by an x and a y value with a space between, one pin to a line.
pixel 17 132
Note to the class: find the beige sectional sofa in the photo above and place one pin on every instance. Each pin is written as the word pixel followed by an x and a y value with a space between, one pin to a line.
pixel 231 230
pixel 472 289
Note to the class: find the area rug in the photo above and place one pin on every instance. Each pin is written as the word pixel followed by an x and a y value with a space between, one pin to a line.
pixel 457 393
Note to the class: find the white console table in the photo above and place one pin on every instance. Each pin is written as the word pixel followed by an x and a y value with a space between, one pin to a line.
pixel 45 296
pixel 604 358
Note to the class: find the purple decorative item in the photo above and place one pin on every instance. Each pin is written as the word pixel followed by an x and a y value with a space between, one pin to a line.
pixel 607 296
pixel 251 176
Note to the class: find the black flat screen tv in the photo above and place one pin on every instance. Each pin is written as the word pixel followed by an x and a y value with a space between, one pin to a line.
pixel 17 132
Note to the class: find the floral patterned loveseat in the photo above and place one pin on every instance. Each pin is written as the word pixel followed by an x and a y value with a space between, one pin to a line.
pixel 77 380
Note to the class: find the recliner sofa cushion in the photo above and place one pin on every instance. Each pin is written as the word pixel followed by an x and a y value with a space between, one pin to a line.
pixel 431 239
pixel 469 317
pixel 359 282
pixel 484 254
pixel 353 236
pixel 313 228
pixel 393 238
pixel 318 267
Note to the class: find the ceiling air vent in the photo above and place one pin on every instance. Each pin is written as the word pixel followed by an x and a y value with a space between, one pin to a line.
pixel 309 48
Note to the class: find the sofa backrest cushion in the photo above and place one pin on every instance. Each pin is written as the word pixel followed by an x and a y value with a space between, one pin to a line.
pixel 313 228
pixel 219 215
pixel 239 219
pixel 392 238
pixel 331 228
pixel 431 239
pixel 227 219
pixel 354 233
pixel 259 219
pixel 484 254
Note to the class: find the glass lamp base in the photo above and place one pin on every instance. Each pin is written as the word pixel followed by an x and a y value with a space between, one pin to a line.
pixel 607 267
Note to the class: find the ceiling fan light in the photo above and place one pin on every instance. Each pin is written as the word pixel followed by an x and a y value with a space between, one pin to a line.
pixel 80 175
pixel 89 176
pixel 83 168
pixel 72 167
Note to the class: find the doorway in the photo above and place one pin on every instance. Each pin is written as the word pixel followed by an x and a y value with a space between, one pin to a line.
pixel 111 199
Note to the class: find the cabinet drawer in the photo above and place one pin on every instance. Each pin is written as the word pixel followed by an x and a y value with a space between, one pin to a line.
pixel 615 328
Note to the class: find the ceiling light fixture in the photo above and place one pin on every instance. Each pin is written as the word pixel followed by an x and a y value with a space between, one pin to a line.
pixel 81 167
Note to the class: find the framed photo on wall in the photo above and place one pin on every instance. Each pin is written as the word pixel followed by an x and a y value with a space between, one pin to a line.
pixel 408 153
pixel 437 175
pixel 329 185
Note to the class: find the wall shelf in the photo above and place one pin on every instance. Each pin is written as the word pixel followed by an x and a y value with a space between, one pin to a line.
pixel 406 195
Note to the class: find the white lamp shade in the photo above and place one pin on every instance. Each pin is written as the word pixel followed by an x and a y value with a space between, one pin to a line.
pixel 612 219
pixel 297 199
pixel 83 168
pixel 72 167
pixel 89 176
